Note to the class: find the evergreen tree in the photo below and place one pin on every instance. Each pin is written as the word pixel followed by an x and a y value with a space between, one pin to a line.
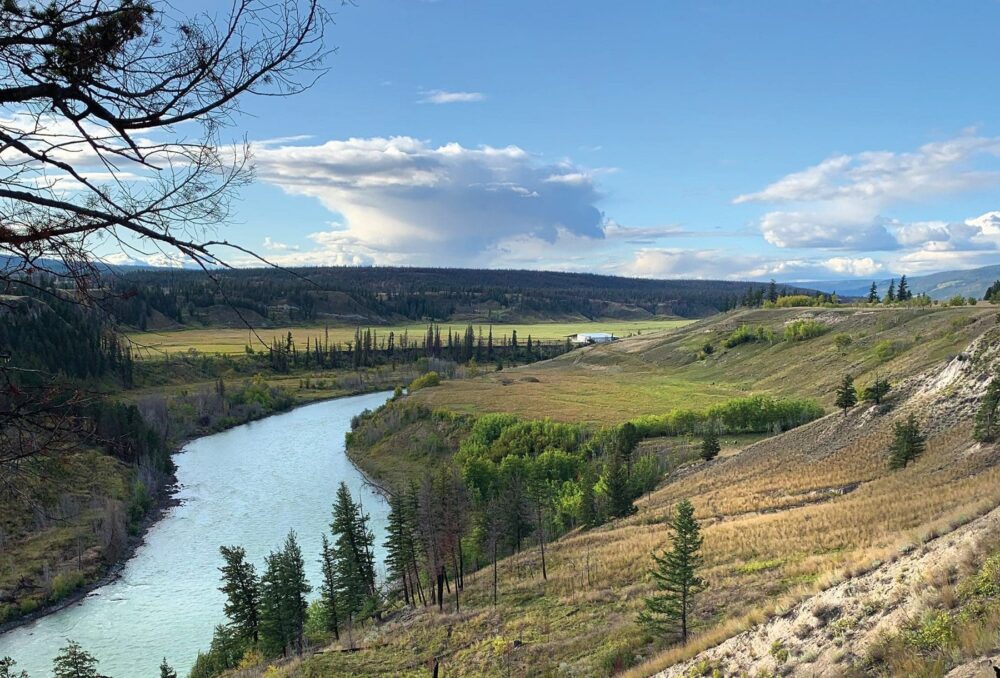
pixel 397 558
pixel 676 577
pixel 908 443
pixel 242 589
pixel 7 669
pixel 166 671
pixel 993 292
pixel 710 447
pixel 619 492
pixel 903 294
pixel 876 390
pixel 328 589
pixel 986 417
pixel 847 395
pixel 74 662
pixel 355 565
pixel 873 294
pixel 890 295
pixel 588 500
pixel 772 291
pixel 283 604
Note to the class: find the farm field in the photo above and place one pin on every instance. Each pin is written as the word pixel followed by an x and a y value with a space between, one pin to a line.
pixel 659 371
pixel 233 340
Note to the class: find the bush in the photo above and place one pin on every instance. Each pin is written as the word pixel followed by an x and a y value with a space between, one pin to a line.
pixel 425 381
pixel 796 300
pixel 64 584
pixel 746 334
pixel 801 330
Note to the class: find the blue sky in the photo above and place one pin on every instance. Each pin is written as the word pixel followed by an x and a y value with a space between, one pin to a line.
pixel 795 140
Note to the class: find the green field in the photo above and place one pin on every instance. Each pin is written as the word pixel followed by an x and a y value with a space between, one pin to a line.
pixel 233 340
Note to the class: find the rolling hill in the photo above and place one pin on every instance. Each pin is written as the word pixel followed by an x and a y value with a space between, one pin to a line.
pixel 818 556
pixel 944 285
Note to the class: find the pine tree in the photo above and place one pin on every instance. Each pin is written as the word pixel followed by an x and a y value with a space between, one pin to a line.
pixel 7 669
pixel 397 558
pixel 710 447
pixel 283 604
pixel 772 291
pixel 873 294
pixel 74 662
pixel 619 493
pixel 908 443
pixel 986 417
pixel 890 296
pixel 328 589
pixel 242 589
pixel 166 671
pixel 676 577
pixel 876 390
pixel 353 542
pixel 847 395
pixel 903 294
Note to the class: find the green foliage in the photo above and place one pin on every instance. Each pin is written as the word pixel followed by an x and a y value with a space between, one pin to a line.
pixel 933 633
pixel 876 391
pixel 993 293
pixel 242 589
pixel 710 446
pixel 647 471
pixel 166 671
pixel 8 670
pixel 886 349
pixel 617 490
pixel 428 380
pixel 986 417
pixel 957 300
pixel 74 662
pixel 676 577
pixel 753 414
pixel 353 555
pixel 842 341
pixel 908 443
pixel 746 334
pixel 225 652
pixel 283 604
pixel 65 583
pixel 846 396
pixel 802 330
pixel 796 300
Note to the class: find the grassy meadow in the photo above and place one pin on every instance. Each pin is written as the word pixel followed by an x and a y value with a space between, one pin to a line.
pixel 659 371
pixel 233 340
pixel 781 517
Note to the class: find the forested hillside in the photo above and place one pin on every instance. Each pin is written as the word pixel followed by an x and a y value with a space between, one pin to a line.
pixel 162 298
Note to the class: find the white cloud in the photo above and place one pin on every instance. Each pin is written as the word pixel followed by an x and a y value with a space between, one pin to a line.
pixel 862 267
pixel 842 202
pixel 276 246
pixel 403 200
pixel 440 96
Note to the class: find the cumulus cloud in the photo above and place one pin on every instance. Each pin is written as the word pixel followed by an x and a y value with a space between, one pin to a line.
pixel 403 200
pixel 440 96
pixel 842 202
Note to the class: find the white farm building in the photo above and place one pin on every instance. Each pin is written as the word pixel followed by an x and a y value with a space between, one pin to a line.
pixel 583 338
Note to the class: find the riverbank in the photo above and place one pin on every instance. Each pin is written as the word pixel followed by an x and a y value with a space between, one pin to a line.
pixel 289 464
pixel 164 498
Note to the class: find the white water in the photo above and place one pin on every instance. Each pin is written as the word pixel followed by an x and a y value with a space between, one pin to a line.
pixel 246 486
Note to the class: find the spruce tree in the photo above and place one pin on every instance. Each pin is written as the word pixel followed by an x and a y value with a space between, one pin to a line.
pixel 846 395
pixel 903 293
pixel 166 671
pixel 74 662
pixel 986 417
pixel 7 669
pixel 619 493
pixel 283 605
pixel 397 558
pixel 710 447
pixel 873 294
pixel 328 589
pixel 353 543
pixel 908 443
pixel 876 390
pixel 676 577
pixel 242 589
pixel 890 296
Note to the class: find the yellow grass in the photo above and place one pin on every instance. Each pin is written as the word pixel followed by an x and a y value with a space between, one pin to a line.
pixel 233 340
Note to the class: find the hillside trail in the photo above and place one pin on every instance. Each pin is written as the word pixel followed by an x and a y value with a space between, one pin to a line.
pixel 833 629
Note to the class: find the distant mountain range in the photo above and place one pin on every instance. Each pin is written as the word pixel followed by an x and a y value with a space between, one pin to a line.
pixel 944 285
